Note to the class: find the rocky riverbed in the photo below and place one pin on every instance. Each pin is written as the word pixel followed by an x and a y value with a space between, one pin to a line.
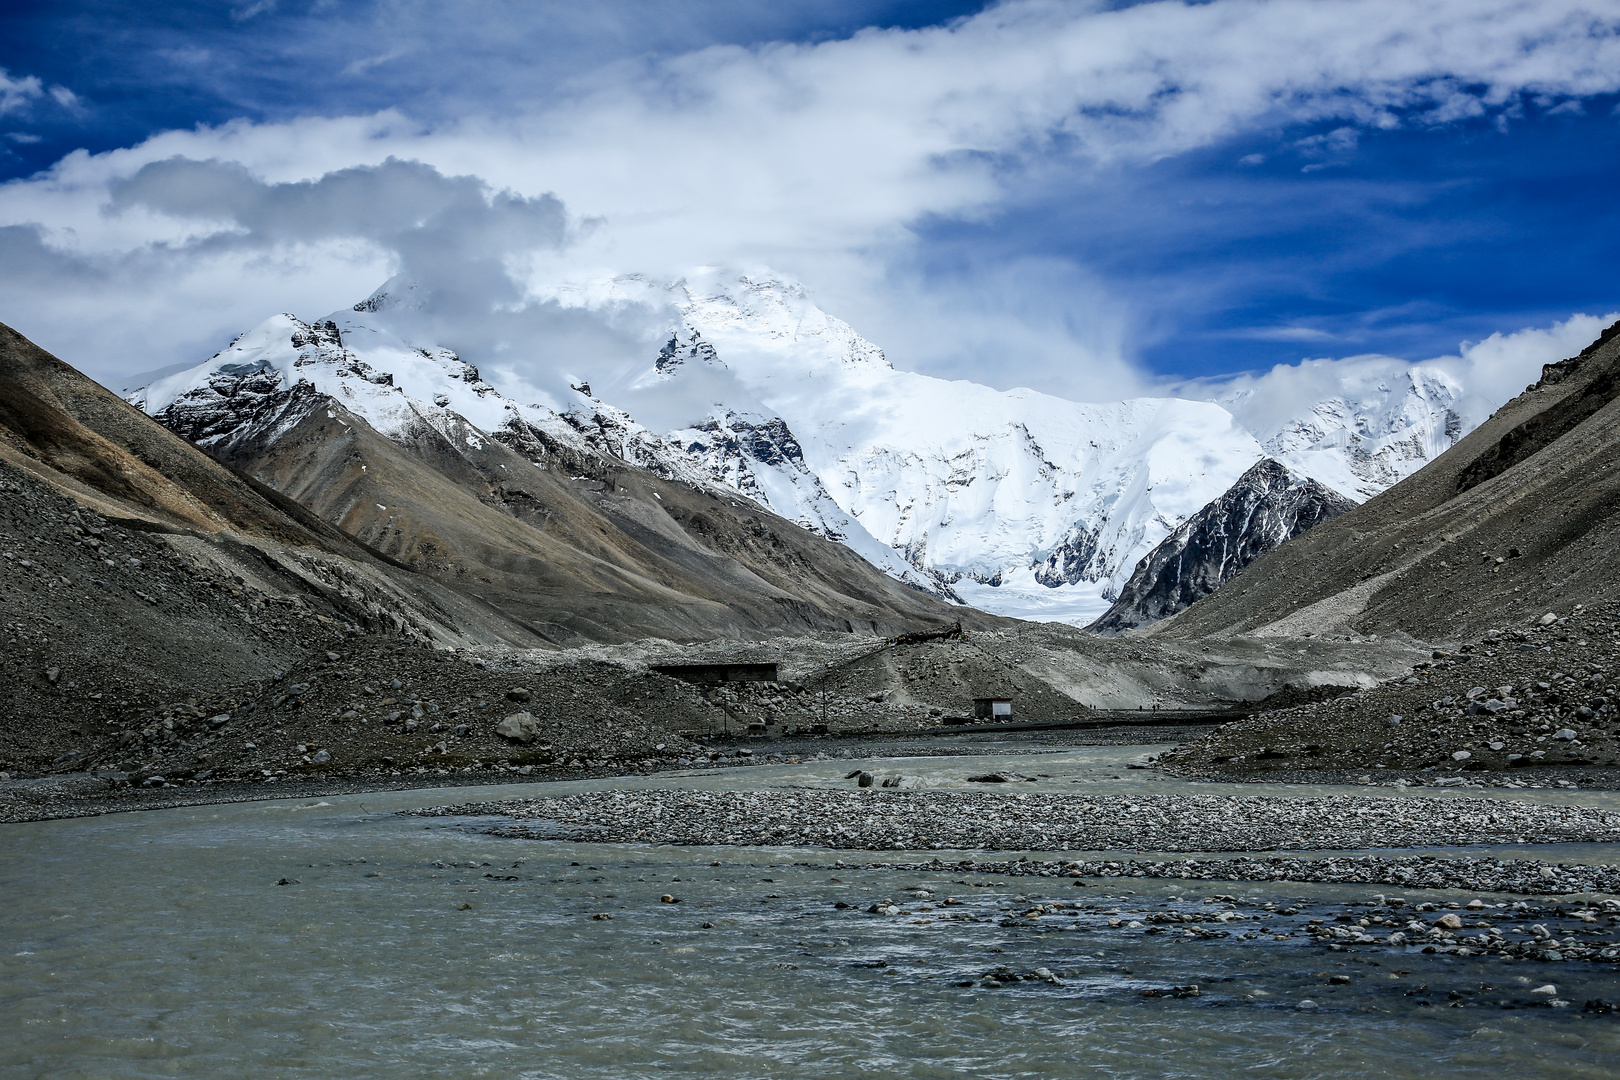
pixel 1469 925
pixel 1532 877
pixel 878 819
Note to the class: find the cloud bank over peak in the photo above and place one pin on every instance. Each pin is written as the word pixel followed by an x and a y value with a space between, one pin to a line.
pixel 831 161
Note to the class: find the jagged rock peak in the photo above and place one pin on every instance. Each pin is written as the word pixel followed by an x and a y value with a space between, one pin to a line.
pixel 1269 505
pixel 678 351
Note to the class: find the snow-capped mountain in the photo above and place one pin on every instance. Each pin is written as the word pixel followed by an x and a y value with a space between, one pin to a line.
pixel 1001 492
pixel 246 393
pixel 1370 423
pixel 1020 502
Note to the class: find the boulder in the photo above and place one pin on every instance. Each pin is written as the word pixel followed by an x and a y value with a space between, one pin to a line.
pixel 519 727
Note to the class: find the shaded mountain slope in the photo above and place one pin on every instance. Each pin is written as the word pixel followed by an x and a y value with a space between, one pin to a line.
pixel 574 544
pixel 1521 516
pixel 1267 506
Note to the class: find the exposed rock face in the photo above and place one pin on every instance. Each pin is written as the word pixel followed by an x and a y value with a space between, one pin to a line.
pixel 1070 561
pixel 1267 506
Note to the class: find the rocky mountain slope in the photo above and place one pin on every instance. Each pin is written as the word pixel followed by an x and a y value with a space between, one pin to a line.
pixel 1016 501
pixel 1268 505
pixel 141 573
pixel 557 523
pixel 1521 517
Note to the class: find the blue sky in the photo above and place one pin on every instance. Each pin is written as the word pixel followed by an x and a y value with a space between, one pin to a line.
pixel 1089 198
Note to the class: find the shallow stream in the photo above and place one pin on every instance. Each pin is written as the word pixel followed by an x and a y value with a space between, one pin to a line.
pixel 159 944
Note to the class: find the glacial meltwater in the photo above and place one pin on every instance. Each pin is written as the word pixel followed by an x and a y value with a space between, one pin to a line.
pixel 335 937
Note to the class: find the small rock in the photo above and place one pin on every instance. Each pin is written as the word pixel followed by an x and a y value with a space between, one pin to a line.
pixel 865 779
pixel 1461 755
pixel 519 694
pixel 321 757
pixel 668 899
pixel 1448 921
pixel 1549 990
pixel 1339 980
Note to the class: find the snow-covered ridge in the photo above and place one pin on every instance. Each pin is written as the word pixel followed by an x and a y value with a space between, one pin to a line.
pixel 246 392
pixel 1027 503
pixel 1374 422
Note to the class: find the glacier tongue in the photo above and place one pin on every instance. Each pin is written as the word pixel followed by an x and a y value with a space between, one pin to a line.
pixel 1031 505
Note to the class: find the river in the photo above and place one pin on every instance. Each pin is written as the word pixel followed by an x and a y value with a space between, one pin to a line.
pixel 160 944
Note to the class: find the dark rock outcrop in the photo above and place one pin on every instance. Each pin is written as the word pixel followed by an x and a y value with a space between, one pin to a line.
pixel 1267 506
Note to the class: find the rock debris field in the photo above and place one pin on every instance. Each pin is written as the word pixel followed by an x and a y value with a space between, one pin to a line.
pixel 876 820
pixel 1520 701
pixel 1527 876
pixel 1476 926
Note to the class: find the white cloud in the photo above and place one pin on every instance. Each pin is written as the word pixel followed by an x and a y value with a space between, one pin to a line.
pixel 816 159
pixel 20 94
pixel 16 93
pixel 1491 371
pixel 1503 364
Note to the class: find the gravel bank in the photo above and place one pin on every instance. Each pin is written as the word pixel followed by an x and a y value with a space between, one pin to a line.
pixel 877 820
pixel 1531 877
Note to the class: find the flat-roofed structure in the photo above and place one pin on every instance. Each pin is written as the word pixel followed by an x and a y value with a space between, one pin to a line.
pixel 715 673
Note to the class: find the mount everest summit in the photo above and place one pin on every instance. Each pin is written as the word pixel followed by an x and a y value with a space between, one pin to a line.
pixel 1017 502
